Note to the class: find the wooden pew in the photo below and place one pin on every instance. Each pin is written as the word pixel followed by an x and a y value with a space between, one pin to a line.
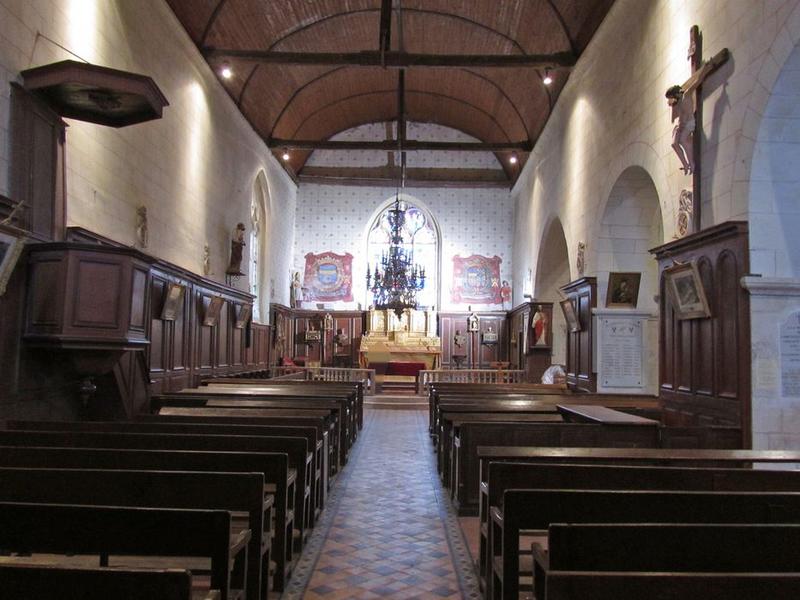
pixel 309 433
pixel 537 509
pixel 234 492
pixel 113 530
pixel 274 466
pixel 347 398
pixel 356 386
pixel 325 424
pixel 41 582
pixel 682 547
pixel 465 483
pixel 242 401
pixel 503 476
pixel 672 586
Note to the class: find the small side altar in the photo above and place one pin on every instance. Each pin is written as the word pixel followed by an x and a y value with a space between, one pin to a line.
pixel 409 339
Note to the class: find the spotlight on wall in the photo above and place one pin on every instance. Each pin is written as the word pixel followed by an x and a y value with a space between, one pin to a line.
pixel 513 159
pixel 226 71
pixel 285 156
pixel 547 77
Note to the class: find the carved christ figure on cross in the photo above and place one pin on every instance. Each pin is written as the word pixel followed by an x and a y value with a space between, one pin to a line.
pixel 683 110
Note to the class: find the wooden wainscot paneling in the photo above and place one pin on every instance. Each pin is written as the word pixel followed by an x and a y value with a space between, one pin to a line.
pixel 705 362
pixel 312 335
pixel 489 344
pixel 582 293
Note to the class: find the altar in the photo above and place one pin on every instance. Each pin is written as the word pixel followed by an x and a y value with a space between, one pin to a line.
pixel 410 339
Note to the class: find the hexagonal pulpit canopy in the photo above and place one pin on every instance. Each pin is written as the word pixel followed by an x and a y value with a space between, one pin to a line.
pixel 96 94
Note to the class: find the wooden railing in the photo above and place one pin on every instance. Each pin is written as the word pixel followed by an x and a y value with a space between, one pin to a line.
pixel 469 376
pixel 366 376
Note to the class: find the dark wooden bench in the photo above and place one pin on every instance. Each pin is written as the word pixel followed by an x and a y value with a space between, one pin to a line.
pixel 672 586
pixel 588 413
pixel 235 492
pixel 113 530
pixel 538 509
pixel 31 582
pixel 323 421
pixel 281 481
pixel 465 482
pixel 507 475
pixel 309 433
pixel 679 547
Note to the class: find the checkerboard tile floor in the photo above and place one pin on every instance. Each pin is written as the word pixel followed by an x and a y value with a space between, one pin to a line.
pixel 389 532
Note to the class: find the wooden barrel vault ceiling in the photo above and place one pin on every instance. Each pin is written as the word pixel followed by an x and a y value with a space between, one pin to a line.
pixel 303 71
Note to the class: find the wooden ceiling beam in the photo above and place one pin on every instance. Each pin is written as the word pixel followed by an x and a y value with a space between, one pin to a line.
pixel 408 145
pixel 397 60
pixel 385 33
pixel 415 177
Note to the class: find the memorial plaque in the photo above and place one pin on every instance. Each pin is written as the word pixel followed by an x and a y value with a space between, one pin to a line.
pixel 790 356
pixel 621 353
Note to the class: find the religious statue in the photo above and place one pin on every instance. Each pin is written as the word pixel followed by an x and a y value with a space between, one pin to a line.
pixel 237 247
pixel 328 322
pixel 206 260
pixel 459 353
pixel 340 339
pixel 505 294
pixel 473 321
pixel 682 102
pixel 142 235
pixel 580 260
pixel 297 291
pixel 539 327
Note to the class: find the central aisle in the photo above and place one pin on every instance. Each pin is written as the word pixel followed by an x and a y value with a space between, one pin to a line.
pixel 387 532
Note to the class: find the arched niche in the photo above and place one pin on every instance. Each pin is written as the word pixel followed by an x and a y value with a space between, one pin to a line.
pixel 552 272
pixel 630 226
pixel 258 252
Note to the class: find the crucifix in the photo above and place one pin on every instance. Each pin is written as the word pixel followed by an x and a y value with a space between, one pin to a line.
pixel 687 109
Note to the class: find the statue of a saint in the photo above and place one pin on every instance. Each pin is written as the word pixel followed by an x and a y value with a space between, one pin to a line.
pixel 297 291
pixel 237 246
pixel 473 322
pixel 142 235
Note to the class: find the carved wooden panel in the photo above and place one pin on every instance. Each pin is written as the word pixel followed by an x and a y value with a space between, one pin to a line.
pixel 97 294
pixel 705 363
pixel 580 344
pixel 45 281
pixel 479 351
pixel 138 300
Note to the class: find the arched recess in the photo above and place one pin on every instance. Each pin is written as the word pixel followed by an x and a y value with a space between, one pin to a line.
pixel 775 179
pixel 421 235
pixel 258 268
pixel 552 271
pixel 631 224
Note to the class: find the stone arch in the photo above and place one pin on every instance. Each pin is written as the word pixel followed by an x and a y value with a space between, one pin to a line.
pixel 631 224
pixel 552 271
pixel 775 177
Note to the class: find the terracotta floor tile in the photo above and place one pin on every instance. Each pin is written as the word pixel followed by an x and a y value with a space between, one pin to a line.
pixel 389 529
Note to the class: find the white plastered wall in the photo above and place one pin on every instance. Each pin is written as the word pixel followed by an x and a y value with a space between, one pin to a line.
pixel 612 115
pixel 193 169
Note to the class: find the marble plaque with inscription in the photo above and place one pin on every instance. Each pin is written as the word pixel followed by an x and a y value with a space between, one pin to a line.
pixel 790 356
pixel 621 352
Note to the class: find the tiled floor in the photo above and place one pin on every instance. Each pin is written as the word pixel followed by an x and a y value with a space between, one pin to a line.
pixel 387 532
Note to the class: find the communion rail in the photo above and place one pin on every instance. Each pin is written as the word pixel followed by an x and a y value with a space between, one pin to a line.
pixel 469 376
pixel 366 376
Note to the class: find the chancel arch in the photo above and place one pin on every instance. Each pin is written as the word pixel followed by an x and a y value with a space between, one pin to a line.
pixel 552 271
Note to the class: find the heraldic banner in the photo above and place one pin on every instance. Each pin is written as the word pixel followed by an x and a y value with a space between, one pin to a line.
pixel 476 279
pixel 329 277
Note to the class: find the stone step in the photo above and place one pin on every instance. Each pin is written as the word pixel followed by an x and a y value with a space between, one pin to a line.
pixel 397 402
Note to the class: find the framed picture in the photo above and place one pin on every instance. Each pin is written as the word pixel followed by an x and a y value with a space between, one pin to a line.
pixel 212 310
pixel 623 290
pixel 243 314
pixel 570 315
pixel 686 291
pixel 173 301
pixel 10 248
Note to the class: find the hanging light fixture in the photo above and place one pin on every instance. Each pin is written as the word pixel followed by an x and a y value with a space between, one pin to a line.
pixel 548 79
pixel 396 279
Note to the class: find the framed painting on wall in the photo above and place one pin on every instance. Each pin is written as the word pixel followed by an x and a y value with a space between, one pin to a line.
pixel 212 310
pixel 10 249
pixel 623 290
pixel 243 313
pixel 173 301
pixel 570 315
pixel 685 289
